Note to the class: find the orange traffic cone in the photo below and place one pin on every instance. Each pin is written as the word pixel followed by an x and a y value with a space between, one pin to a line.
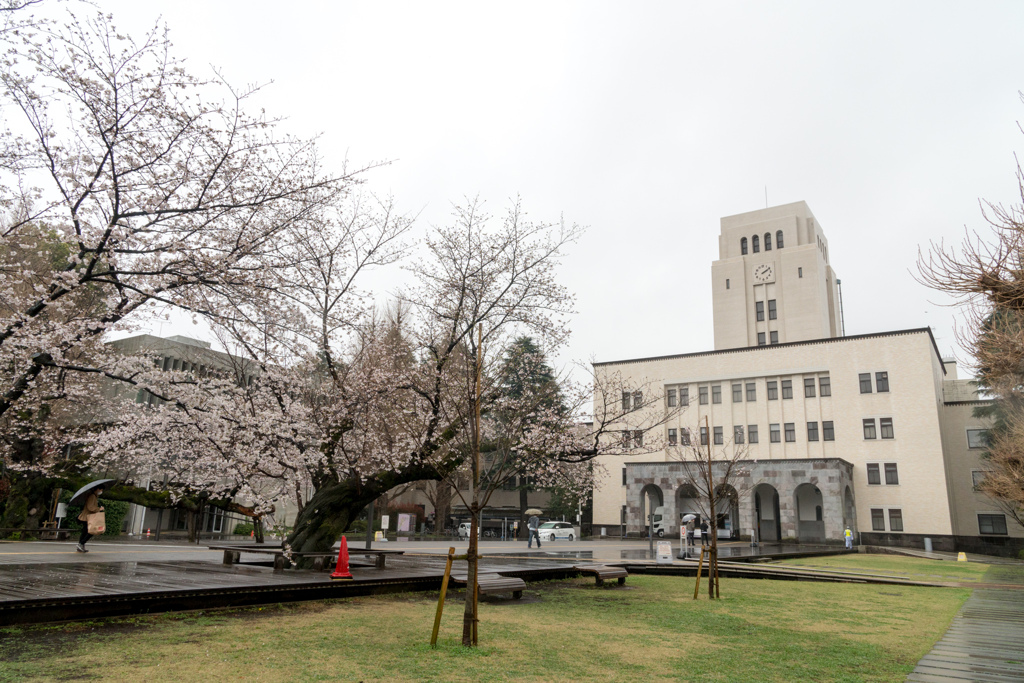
pixel 341 571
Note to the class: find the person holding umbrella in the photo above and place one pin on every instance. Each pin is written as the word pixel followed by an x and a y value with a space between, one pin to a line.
pixel 90 494
pixel 532 526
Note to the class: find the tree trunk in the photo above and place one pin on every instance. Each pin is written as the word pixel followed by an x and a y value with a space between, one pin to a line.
pixel 470 616
pixel 257 525
pixel 524 504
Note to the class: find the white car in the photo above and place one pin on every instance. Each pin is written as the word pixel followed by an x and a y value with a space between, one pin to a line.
pixel 464 531
pixel 556 531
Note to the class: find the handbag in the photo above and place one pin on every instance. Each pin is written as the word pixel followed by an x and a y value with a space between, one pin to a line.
pixel 97 523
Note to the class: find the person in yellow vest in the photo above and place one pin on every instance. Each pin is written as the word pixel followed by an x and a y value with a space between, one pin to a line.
pixel 92 504
pixel 848 535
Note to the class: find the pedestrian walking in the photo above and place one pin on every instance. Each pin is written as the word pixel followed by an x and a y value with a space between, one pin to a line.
pixel 848 535
pixel 689 533
pixel 703 533
pixel 92 505
pixel 533 525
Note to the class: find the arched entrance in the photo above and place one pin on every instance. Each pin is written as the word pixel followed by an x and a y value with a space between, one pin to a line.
pixel 810 521
pixel 687 502
pixel 653 494
pixel 767 514
pixel 727 511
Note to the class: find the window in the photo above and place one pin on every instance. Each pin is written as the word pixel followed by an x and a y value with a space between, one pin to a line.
pixel 752 433
pixel 703 436
pixel 737 434
pixel 760 339
pixel 638 439
pixel 778 239
pixel 727 283
pixel 625 438
pixel 759 310
pixel 773 391
pixel 743 246
pixel 812 431
pixel 719 437
pixel 755 242
pixel 799 272
pixel 773 337
pixel 977 438
pixel 895 520
pixel 808 387
pixel 767 241
pixel 787 388
pixel 751 391
pixel 703 393
pixel 623 476
pixel 828 432
pixel 716 393
pixel 885 427
pixel 671 393
pixel 790 432
pixel 877 519
pixel 672 438
pixel 737 393
pixel 625 401
pixel 772 311
pixel 825 386
pixel 684 396
pixel 892 477
pixel 977 476
pixel 774 435
pixel 874 478
pixel 638 399
pixel 684 437
pixel 869 428
pixel 865 382
pixel 881 382
pixel 992 524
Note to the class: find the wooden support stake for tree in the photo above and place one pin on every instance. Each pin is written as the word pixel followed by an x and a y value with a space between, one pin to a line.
pixel 440 599
pixel 700 567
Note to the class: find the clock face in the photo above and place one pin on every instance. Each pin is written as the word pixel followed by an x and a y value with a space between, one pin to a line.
pixel 764 273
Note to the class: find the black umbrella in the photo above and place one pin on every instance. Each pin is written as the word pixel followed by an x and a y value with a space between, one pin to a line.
pixel 83 493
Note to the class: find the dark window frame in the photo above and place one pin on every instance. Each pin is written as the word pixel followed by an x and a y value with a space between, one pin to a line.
pixel 775 433
pixel 882 382
pixel 809 387
pixel 896 519
pixel 703 395
pixel 773 337
pixel 773 311
pixel 865 382
pixel 773 391
pixel 892 474
pixel 759 311
pixel 718 434
pixel 877 519
pixel 716 394
pixel 993 522
pixel 790 429
pixel 874 474
pixel 885 429
pixel 787 388
pixel 752 434
pixel 870 433
pixel 812 431
pixel 751 392
pixel 824 386
pixel 737 393
pixel 828 430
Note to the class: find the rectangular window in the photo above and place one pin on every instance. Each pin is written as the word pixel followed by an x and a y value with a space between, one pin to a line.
pixel 772 313
pixel 752 433
pixel 885 427
pixel 977 438
pixel 877 519
pixel 719 437
pixel 638 439
pixel 703 436
pixel 895 520
pixel 799 272
pixel 638 399
pixel 874 476
pixel 787 388
pixel 625 438
pixel 623 476
pixel 869 428
pixel 671 398
pixel 737 393
pixel 716 393
pixel 790 432
pixel 703 392
pixel 892 477
pixel 684 396
pixel 625 401
pixel 727 283
pixel 865 382
pixel 825 386
pixel 672 437
pixel 774 433
pixel 812 431
pixel 759 309
pixel 760 339
pixel 977 476
pixel 773 391
pixel 773 337
pixel 992 524
pixel 881 382
pixel 808 387
pixel 828 432
pixel 751 391
pixel 684 437
pixel 737 434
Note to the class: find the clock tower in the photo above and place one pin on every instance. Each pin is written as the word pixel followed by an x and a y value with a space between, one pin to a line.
pixel 772 282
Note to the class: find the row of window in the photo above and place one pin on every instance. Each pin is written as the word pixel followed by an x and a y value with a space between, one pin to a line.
pixel 878 519
pixel 750 434
pixel 773 313
pixel 755 242
pixel 748 390
pixel 884 428
pixel 892 475
pixel 881 382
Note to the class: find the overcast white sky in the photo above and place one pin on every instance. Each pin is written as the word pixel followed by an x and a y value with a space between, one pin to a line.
pixel 649 121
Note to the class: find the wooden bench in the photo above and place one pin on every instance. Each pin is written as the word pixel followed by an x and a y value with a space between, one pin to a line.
pixel 602 572
pixel 321 561
pixel 490 584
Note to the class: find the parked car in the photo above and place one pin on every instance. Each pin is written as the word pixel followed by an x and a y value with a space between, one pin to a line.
pixel 464 531
pixel 556 531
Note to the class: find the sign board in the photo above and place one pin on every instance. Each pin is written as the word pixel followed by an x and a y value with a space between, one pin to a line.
pixel 404 524
pixel 62 510
pixel 664 552
pixel 385 522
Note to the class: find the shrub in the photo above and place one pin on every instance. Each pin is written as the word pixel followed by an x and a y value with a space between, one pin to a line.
pixel 244 528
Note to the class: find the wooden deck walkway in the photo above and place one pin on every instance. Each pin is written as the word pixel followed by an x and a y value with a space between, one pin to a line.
pixel 984 641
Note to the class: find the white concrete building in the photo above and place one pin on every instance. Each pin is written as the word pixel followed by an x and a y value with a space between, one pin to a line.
pixel 874 430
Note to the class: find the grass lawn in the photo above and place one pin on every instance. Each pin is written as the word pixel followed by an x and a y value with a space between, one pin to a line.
pixel 560 631
pixel 898 566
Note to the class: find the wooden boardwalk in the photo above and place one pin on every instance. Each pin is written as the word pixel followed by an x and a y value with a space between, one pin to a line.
pixel 985 642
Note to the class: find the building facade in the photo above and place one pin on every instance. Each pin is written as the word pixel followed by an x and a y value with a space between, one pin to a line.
pixel 874 431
